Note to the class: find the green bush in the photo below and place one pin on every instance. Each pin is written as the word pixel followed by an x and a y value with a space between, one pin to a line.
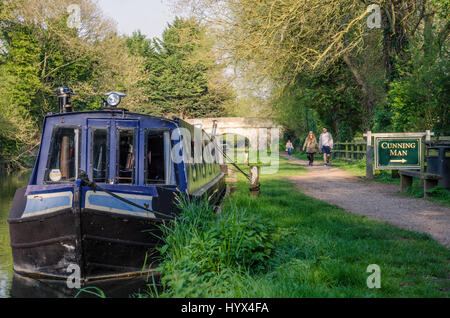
pixel 202 247
pixel 415 192
pixel 440 192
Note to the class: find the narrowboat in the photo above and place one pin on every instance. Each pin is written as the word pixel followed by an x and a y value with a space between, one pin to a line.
pixel 103 183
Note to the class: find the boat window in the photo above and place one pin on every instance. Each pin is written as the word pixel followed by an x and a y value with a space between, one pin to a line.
pixel 126 156
pixel 158 163
pixel 62 164
pixel 206 155
pixel 100 155
pixel 194 171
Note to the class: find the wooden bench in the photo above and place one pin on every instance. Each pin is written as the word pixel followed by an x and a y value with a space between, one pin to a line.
pixel 430 180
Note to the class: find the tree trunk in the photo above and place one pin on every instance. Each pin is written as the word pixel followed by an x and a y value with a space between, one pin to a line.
pixel 387 48
pixel 368 97
pixel 395 40
pixel 336 129
pixel 428 36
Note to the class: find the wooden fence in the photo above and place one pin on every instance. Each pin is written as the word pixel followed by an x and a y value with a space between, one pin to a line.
pixel 353 150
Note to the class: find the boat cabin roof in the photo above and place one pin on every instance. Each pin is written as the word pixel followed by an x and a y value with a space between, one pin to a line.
pixel 116 113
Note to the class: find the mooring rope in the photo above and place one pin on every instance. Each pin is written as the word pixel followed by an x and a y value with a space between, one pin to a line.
pixel 226 156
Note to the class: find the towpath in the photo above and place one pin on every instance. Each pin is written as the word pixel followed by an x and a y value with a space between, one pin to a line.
pixel 376 200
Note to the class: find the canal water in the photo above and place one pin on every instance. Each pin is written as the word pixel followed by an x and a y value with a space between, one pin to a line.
pixel 12 285
pixel 8 186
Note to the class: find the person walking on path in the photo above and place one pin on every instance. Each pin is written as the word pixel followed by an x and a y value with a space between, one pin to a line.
pixel 289 147
pixel 326 144
pixel 310 145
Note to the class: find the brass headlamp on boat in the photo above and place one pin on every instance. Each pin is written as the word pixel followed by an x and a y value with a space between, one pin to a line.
pixel 64 93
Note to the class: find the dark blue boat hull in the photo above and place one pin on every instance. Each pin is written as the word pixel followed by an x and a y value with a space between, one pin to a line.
pixel 103 244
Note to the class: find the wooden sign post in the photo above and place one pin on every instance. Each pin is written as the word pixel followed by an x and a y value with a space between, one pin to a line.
pixel 369 156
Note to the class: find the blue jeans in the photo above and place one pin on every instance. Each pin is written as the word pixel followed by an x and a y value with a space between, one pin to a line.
pixel 289 151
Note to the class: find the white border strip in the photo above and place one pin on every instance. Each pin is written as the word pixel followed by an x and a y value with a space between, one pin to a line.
pixel 48 195
pixel 87 205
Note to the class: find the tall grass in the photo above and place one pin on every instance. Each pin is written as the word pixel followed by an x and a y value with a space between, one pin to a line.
pixel 203 249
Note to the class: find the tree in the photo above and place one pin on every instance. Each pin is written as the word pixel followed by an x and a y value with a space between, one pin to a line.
pixel 330 99
pixel 281 39
pixel 41 51
pixel 420 98
pixel 184 78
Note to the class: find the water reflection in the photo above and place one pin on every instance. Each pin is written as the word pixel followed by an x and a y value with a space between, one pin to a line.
pixel 24 287
pixel 8 186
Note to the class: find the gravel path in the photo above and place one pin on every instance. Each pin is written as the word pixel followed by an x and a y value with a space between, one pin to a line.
pixel 376 200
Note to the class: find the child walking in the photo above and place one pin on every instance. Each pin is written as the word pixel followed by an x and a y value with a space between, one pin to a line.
pixel 289 147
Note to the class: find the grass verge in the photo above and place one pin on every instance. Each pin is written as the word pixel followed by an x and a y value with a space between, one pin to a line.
pixel 295 246
pixel 438 194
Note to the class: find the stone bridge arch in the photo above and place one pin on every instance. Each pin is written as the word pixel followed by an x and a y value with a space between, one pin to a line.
pixel 249 127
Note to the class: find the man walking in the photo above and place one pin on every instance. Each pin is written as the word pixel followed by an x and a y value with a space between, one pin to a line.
pixel 326 144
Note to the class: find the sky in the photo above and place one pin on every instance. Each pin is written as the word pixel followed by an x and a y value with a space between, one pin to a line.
pixel 148 16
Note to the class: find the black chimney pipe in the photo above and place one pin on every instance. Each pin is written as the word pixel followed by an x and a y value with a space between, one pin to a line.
pixel 64 94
